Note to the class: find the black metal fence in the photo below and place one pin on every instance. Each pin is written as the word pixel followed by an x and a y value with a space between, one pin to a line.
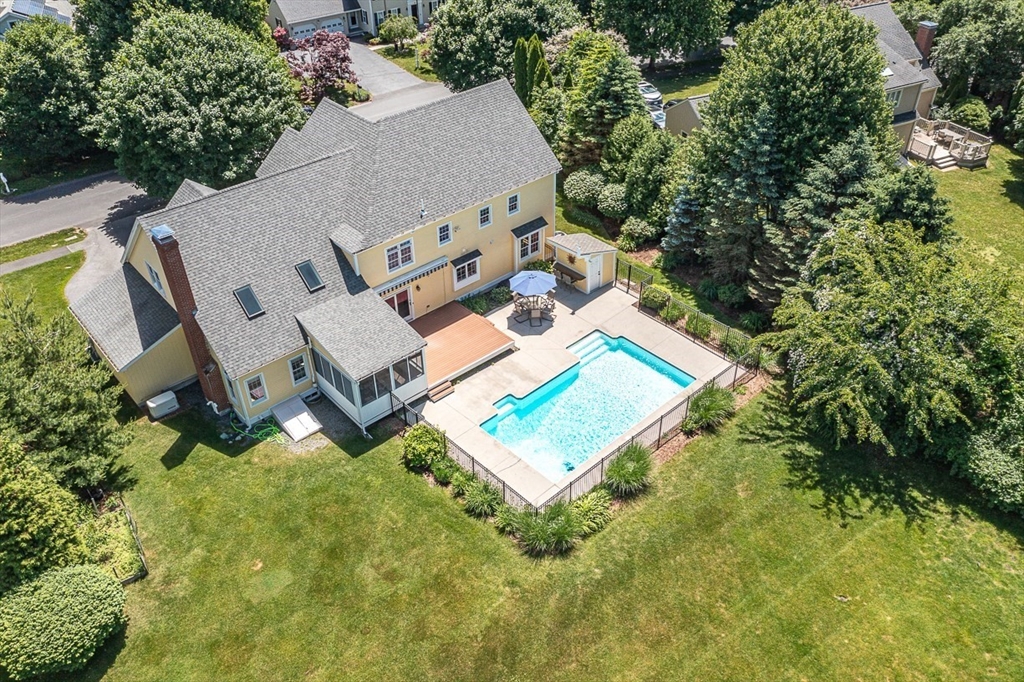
pixel 122 508
pixel 631 278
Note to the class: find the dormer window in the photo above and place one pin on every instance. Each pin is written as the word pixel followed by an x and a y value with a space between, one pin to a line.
pixel 250 304
pixel 310 277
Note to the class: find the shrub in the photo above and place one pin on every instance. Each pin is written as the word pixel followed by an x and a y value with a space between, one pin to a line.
pixel 612 201
pixel 56 622
pixel 443 469
pixel 593 511
pixel 422 445
pixel 482 499
pixel 655 296
pixel 477 303
pixel 699 325
pixel 754 321
pixel 639 230
pixel 281 37
pixel 461 482
pixel 583 187
pixel 627 243
pixel 708 289
pixel 629 473
pixel 710 408
pixel 499 296
pixel 972 113
pixel 672 313
pixel 506 519
pixel 540 264
pixel 736 345
pixel 552 531
pixel 732 295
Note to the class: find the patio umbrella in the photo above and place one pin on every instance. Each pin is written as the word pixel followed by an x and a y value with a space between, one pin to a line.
pixel 532 283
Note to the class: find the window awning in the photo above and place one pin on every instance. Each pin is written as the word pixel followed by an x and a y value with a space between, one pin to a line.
pixel 462 260
pixel 529 228
pixel 399 282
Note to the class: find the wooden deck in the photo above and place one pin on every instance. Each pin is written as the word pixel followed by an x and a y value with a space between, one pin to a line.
pixel 457 341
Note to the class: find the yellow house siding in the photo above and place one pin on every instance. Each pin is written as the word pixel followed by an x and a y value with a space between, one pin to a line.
pixel 497 246
pixel 142 252
pixel 924 103
pixel 277 382
pixel 904 131
pixel 164 365
pixel 908 100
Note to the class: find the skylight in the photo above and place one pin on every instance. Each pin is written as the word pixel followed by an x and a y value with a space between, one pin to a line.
pixel 250 304
pixel 310 276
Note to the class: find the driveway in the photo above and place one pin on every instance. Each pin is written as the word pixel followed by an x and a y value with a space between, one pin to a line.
pixel 86 203
pixel 377 74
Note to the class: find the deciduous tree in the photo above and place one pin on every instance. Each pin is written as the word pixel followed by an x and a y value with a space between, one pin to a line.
pixel 46 92
pixel 397 29
pixel 653 28
pixel 191 97
pixel 322 64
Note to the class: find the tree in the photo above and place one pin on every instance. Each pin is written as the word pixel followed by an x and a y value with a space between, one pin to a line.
pixel 800 80
pixel 683 233
pixel 647 171
pixel 993 457
pixel 626 138
pixel 911 195
pixel 107 23
pixel 473 41
pixel 530 69
pixel 59 403
pixel 46 94
pixel 548 114
pixel 322 64
pixel 896 342
pixel 653 28
pixel 397 29
pixel 972 113
pixel 38 519
pixel 191 97
pixel 746 11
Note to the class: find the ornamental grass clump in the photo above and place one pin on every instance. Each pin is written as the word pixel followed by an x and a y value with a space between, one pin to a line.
pixel 56 622
pixel 593 511
pixel 482 499
pixel 699 326
pixel 422 446
pixel 461 481
pixel 629 473
pixel 443 469
pixel 506 519
pixel 555 530
pixel 709 409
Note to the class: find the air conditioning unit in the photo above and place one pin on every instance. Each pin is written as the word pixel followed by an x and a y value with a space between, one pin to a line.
pixel 162 405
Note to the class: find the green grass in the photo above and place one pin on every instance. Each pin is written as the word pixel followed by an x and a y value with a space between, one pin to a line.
pixel 45 282
pixel 757 555
pixel 111 544
pixel 988 205
pixel 23 180
pixel 407 60
pixel 30 247
pixel 699 78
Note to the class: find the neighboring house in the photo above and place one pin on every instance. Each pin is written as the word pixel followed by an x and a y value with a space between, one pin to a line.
pixel 13 11
pixel 354 17
pixel 910 84
pixel 307 276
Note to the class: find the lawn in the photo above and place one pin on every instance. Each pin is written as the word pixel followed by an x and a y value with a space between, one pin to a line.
pixel 30 247
pixel 699 78
pixel 757 556
pixel 45 282
pixel 407 60
pixel 22 180
pixel 988 205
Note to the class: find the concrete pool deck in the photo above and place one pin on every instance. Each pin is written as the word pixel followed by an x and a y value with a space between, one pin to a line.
pixel 541 356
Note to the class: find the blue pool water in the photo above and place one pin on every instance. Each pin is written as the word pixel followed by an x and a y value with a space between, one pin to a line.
pixel 559 425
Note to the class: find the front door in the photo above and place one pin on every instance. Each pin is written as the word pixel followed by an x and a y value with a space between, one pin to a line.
pixel 594 272
pixel 401 302
pixel 414 10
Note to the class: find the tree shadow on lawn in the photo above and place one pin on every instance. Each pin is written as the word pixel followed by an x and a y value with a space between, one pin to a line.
pixel 1014 188
pixel 195 428
pixel 858 481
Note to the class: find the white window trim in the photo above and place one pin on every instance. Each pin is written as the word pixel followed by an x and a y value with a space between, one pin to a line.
pixel 469 280
pixel 154 278
pixel 509 200
pixel 449 240
pixel 540 244
pixel 412 250
pixel 305 367
pixel 248 392
pixel 894 97
pixel 231 386
pixel 490 216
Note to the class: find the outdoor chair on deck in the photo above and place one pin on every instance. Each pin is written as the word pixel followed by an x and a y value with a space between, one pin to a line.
pixel 520 307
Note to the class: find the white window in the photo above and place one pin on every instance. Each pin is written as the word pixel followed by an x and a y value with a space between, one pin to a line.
pixel 529 245
pixel 257 391
pixel 485 216
pixel 513 204
pixel 444 234
pixel 894 97
pixel 399 256
pixel 467 273
pixel 154 278
pixel 298 369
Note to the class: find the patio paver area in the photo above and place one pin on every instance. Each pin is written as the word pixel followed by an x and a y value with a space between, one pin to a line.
pixel 541 356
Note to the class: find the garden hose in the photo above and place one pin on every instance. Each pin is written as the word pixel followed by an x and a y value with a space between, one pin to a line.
pixel 267 432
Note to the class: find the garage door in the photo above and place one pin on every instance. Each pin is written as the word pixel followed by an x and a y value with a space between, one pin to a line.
pixel 303 31
pixel 334 26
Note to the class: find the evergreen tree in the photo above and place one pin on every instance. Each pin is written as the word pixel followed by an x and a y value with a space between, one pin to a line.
pixel 647 171
pixel 912 195
pixel 520 79
pixel 626 138
pixel 537 68
pixel 684 234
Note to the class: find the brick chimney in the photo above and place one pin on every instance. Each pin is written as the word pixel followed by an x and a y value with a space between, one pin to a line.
pixel 210 377
pixel 925 37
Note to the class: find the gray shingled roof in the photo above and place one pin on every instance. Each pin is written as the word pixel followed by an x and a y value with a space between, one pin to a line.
pixel 352 182
pixel 530 227
pixel 582 243
pixel 901 53
pixel 124 315
pixel 188 192
pixel 298 11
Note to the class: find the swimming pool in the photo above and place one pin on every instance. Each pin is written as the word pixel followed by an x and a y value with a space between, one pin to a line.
pixel 560 424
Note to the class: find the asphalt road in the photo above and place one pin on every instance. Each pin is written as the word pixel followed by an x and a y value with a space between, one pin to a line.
pixel 91 202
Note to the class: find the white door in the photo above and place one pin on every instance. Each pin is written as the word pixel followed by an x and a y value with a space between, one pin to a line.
pixel 301 31
pixel 594 264
pixel 334 26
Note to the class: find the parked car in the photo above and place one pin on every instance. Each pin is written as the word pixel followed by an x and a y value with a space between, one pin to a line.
pixel 671 103
pixel 651 94
pixel 657 115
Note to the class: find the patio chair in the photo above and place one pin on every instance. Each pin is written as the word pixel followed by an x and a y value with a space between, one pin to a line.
pixel 538 315
pixel 521 308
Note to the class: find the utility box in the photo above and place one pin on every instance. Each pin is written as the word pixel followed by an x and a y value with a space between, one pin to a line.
pixel 162 405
